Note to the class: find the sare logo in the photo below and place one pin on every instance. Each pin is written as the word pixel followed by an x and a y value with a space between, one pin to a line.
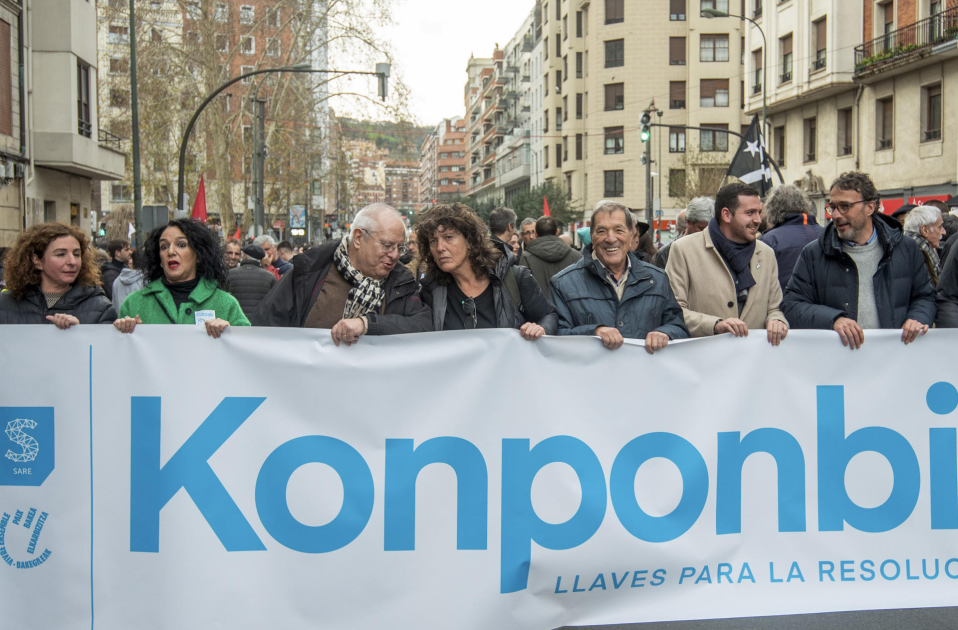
pixel 28 456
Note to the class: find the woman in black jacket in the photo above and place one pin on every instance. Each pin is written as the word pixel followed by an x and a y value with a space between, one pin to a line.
pixel 52 277
pixel 469 283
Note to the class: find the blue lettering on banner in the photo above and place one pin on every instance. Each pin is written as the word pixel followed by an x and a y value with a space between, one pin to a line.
pixel 152 486
pixel 28 457
pixel 8 558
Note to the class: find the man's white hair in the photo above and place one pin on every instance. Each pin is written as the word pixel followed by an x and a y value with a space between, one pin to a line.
pixel 264 238
pixel 370 218
pixel 921 216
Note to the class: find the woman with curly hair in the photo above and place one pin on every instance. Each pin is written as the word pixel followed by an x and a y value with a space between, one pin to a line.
pixel 469 283
pixel 185 272
pixel 52 277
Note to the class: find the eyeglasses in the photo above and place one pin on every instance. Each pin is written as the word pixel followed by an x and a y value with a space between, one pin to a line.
pixel 469 305
pixel 388 248
pixel 832 209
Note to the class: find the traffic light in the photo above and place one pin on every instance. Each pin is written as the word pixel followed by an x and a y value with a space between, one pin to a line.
pixel 102 230
pixel 646 121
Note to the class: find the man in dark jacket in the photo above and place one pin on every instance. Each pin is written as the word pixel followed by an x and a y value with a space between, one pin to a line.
pixel 947 292
pixel 860 273
pixel 502 225
pixel 119 251
pixel 697 216
pixel 792 216
pixel 353 286
pixel 249 282
pixel 546 255
pixel 612 294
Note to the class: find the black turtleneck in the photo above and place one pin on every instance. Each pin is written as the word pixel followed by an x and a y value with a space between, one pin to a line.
pixel 180 291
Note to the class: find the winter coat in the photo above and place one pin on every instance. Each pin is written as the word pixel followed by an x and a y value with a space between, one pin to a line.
pixel 109 272
pixel 787 241
pixel 534 306
pixel 947 292
pixel 545 257
pixel 824 283
pixel 585 300
pixel 249 283
pixel 704 287
pixel 88 304
pixel 282 267
pixel 294 295
pixel 129 282
pixel 661 258
pixel 154 305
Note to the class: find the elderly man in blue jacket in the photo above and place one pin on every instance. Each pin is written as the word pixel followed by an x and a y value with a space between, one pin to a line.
pixel 612 294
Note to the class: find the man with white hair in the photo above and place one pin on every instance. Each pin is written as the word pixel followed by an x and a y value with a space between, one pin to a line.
pixel 272 254
pixel 924 225
pixel 353 286
pixel 690 221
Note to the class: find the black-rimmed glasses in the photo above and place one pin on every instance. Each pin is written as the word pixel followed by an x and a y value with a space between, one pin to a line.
pixel 831 209
pixel 387 248
pixel 469 305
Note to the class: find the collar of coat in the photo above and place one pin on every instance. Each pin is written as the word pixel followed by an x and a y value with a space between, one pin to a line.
pixel 203 291
pixel 889 235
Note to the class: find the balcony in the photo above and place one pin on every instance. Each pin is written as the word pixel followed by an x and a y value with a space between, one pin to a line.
pixel 676 104
pixel 757 88
pixel 107 139
pixel 785 77
pixel 885 143
pixel 527 44
pixel 819 62
pixel 906 44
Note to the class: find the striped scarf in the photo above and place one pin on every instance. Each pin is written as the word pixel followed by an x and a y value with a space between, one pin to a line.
pixel 366 295
pixel 929 251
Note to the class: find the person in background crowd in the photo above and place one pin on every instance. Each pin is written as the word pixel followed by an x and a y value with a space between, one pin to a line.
pixel 516 244
pixel 267 264
pixel 502 224
pixel 129 281
pixel 415 265
pixel 696 218
pixel 285 251
pixel 791 215
pixel 642 243
pixel 233 253
pixel 51 277
pixel 528 232
pixel 950 223
pixel 354 286
pixel 186 276
pixel 119 252
pixel 411 251
pixel 3 253
pixel 947 291
pixel 467 278
pixel 249 282
pixel 567 239
pixel 924 226
pixel 901 214
pixel 724 278
pixel 546 255
pixel 272 256
pixel 612 294
pixel 860 273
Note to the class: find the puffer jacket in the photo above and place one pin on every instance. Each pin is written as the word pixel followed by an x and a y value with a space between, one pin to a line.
pixel 824 283
pixel 534 306
pixel 249 283
pixel 585 300
pixel 109 272
pixel 947 292
pixel 787 241
pixel 88 304
pixel 545 257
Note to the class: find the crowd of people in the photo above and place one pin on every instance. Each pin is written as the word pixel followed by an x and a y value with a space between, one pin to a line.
pixel 740 263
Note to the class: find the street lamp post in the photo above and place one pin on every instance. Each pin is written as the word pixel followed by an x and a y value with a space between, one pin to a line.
pixel 715 13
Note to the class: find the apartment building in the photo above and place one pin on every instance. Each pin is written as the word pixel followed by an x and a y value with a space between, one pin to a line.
pixel 860 86
pixel 402 186
pixel 513 162
pixel 442 162
pixel 484 122
pixel 12 129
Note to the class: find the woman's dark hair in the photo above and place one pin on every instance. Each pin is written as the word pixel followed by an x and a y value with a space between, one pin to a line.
pixel 203 242
pixel 19 270
pixel 482 253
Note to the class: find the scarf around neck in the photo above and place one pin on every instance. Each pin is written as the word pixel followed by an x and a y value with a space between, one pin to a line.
pixel 366 294
pixel 736 255
pixel 927 248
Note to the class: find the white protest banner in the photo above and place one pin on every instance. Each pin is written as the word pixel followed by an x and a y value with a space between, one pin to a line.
pixel 468 480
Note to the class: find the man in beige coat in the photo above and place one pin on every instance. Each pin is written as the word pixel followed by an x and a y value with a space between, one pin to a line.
pixel 725 280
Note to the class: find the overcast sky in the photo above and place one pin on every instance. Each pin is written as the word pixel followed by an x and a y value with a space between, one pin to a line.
pixel 432 41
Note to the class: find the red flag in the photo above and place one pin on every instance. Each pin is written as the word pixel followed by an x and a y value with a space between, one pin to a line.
pixel 545 207
pixel 199 205
pixel 237 234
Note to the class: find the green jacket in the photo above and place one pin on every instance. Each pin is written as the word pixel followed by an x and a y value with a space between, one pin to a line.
pixel 154 305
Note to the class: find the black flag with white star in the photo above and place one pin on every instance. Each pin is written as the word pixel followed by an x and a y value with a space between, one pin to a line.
pixel 751 164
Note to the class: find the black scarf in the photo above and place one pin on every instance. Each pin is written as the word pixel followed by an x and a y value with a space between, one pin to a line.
pixel 737 257
pixel 180 291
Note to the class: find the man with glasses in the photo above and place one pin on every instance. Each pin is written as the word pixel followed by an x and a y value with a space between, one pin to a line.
pixel 353 286
pixel 860 273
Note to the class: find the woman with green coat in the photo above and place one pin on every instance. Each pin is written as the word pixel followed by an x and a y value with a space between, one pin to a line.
pixel 185 272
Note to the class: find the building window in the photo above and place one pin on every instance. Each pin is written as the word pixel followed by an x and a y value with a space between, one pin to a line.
pixel 120 193
pixel 119 65
pixel 84 121
pixel 614 184
pixel 811 139
pixel 578 65
pixel 247 14
pixel 614 140
pixel 677 10
pixel 676 94
pixel 711 138
pixel 119 97
pixel 248 45
pixel 578 23
pixel 565 27
pixel 272 17
pixel 558 119
pixel 931 112
pixel 119 35
pixel 676 140
pixel 615 53
pixel 578 106
pixel 272 47
pixel 757 74
pixel 545 44
pixel 757 11
pixel 558 155
pixel 720 5
pixel 676 51
pixel 785 44
pixel 676 183
pixel 819 44
pixel 778 144
pixel 222 43
pixel 245 70
pixel 558 81
pixel 221 12
pixel 614 11
pixel 578 146
pixel 713 48
pixel 713 93
pixel 558 47
pixel 845 132
pixel 565 68
pixel 614 96
pixel 885 123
